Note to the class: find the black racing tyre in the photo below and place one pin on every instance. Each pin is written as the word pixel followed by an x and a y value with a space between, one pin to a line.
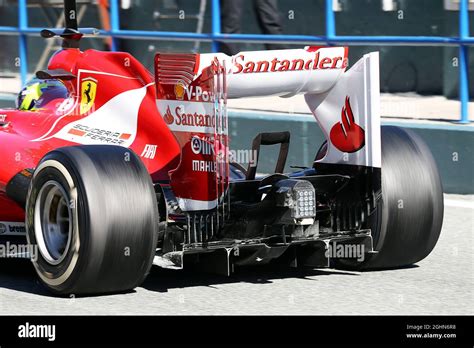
pixel 92 216
pixel 408 219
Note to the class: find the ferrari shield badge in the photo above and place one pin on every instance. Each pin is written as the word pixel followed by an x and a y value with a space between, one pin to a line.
pixel 88 93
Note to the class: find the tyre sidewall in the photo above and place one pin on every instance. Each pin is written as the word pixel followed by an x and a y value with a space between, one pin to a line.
pixel 59 277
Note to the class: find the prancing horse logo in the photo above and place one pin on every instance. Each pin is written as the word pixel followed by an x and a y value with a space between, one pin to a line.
pixel 88 93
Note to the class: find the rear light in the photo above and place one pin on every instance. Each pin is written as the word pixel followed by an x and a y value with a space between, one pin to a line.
pixel 305 203
pixel 297 195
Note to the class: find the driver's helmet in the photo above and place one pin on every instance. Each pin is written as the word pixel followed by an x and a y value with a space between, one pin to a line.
pixel 37 93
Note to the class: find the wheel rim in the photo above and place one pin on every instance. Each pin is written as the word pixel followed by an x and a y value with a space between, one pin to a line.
pixel 53 222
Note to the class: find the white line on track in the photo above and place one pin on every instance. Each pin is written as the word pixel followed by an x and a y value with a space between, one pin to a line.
pixel 459 203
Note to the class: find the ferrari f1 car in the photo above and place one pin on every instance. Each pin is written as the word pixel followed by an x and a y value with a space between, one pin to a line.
pixel 107 168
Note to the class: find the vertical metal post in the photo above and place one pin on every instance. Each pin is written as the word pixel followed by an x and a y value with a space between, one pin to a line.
pixel 70 14
pixel 114 22
pixel 464 61
pixel 216 24
pixel 330 20
pixel 22 42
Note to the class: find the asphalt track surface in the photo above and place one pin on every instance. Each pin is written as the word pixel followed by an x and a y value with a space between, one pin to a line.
pixel 443 283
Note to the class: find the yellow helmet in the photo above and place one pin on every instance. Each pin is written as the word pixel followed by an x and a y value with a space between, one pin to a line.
pixel 37 93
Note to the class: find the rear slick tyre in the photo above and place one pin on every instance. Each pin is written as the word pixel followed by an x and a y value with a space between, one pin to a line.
pixel 407 221
pixel 92 216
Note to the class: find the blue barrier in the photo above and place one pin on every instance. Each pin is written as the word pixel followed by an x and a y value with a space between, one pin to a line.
pixel 330 38
pixel 463 61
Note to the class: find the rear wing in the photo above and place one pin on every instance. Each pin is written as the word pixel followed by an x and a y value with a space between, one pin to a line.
pixel 192 90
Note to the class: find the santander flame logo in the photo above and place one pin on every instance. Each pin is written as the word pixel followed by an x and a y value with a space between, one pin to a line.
pixel 168 117
pixel 347 135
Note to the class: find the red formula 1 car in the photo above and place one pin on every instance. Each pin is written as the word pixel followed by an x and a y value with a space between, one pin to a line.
pixel 107 168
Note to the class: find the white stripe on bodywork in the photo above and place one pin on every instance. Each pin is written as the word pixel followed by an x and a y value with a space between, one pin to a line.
pixel 119 114
pixel 187 204
pixel 80 71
